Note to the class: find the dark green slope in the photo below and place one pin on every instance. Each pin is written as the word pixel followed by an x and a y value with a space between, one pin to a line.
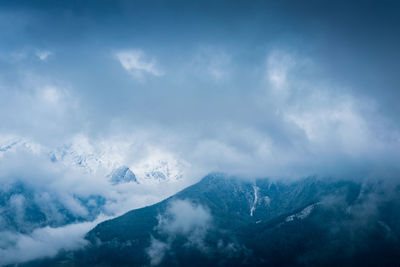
pixel 309 222
pixel 229 200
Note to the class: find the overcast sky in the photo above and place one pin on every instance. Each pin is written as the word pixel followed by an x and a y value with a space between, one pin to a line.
pixel 265 88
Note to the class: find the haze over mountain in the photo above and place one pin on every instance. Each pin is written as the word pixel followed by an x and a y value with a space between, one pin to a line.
pixel 109 107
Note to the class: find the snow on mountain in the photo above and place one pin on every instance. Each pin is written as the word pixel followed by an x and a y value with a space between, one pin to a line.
pixel 122 175
pixel 155 166
pixel 104 158
pixel 79 180
pixel 159 166
pixel 91 158
pixel 304 213
pixel 12 144
pixel 253 207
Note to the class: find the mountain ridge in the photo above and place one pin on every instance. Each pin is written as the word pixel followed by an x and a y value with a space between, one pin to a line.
pixel 223 220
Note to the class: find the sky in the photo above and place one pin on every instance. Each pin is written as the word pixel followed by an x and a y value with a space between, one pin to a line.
pixel 266 88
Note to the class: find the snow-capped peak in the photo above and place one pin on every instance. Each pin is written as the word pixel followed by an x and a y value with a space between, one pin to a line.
pixel 104 157
pixel 122 175
pixel 159 166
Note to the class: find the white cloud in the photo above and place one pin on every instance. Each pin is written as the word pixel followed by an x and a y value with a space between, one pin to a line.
pixel 40 109
pixel 158 164
pixel 52 95
pixel 43 55
pixel 43 242
pixel 181 218
pixel 138 64
pixel 157 251
pixel 333 119
pixel 184 217
pixel 279 64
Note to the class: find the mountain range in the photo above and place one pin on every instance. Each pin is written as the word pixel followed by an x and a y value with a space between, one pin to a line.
pixel 26 205
pixel 89 158
pixel 229 221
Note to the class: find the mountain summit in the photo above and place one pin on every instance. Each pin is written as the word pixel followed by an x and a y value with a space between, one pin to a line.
pixel 122 175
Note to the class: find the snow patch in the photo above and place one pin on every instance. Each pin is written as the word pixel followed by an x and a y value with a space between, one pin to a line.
pixel 302 214
pixel 253 207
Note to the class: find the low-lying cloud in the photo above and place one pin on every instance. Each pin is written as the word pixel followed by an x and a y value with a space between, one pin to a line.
pixel 181 218
pixel 43 242
pixel 184 217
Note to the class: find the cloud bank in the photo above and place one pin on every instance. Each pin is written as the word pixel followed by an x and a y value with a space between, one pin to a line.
pixel 181 218
pixel 43 242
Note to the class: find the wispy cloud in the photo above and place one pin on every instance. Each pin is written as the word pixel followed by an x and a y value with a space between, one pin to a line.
pixel 43 242
pixel 279 64
pixel 138 64
pixel 181 218
pixel 43 55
